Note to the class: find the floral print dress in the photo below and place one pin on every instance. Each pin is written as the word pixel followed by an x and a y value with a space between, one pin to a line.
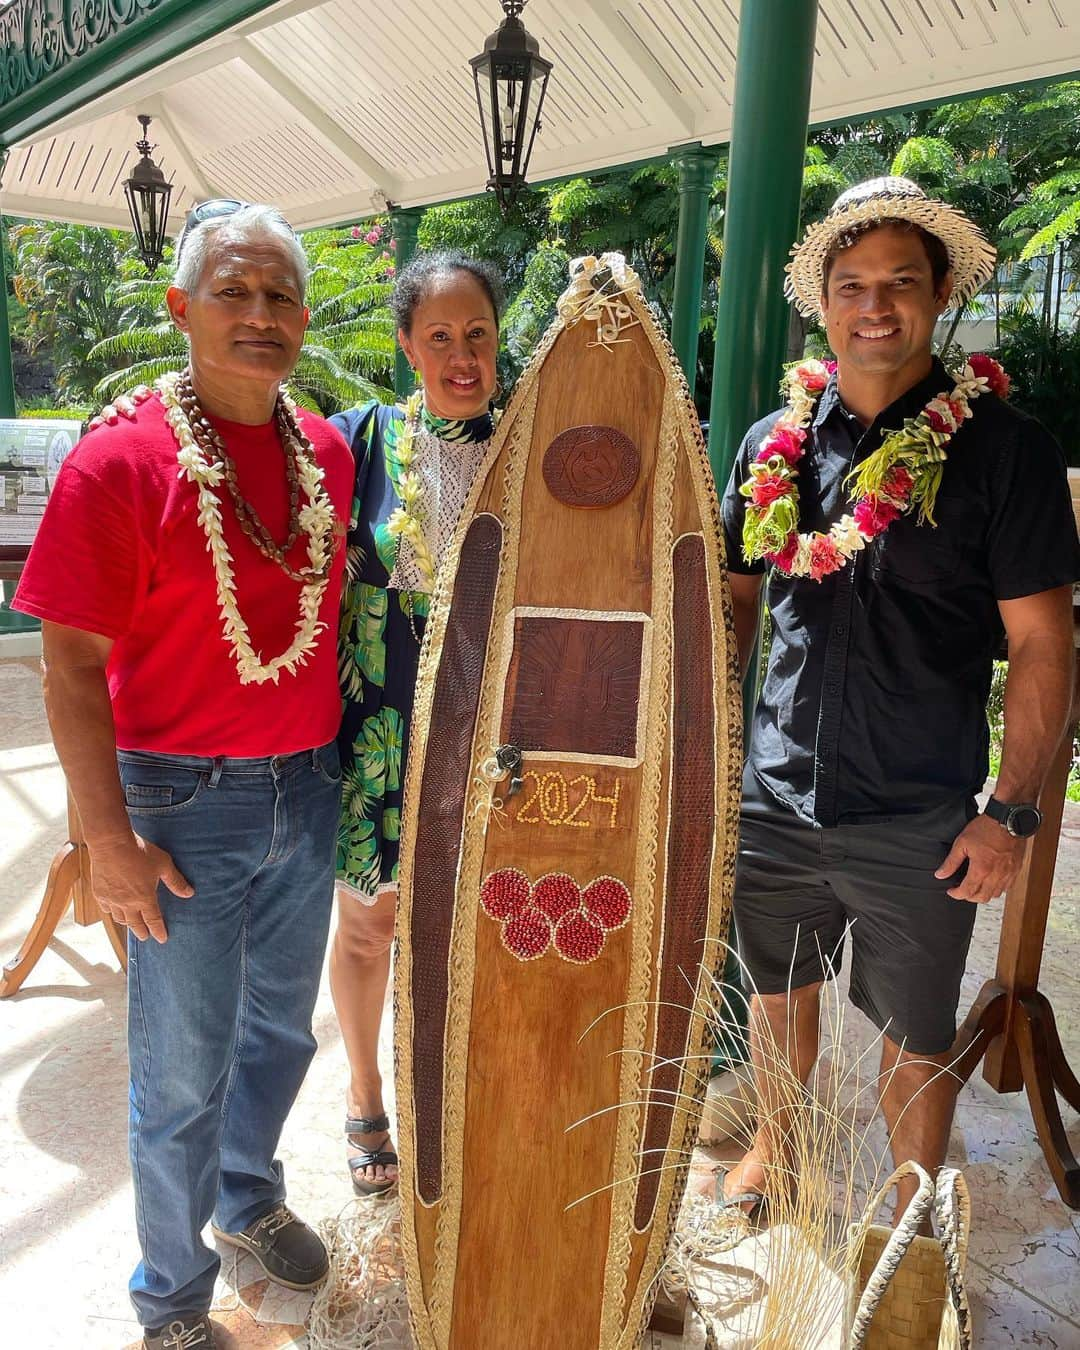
pixel 378 647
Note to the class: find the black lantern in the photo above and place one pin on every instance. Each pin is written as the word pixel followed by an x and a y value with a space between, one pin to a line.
pixel 511 80
pixel 148 194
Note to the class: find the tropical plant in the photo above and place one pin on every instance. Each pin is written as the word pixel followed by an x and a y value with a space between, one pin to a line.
pixel 1044 366
pixel 479 227
pixel 532 309
pixel 1010 160
pixel 348 352
pixel 65 277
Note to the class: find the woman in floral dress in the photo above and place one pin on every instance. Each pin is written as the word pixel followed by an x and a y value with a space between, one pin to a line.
pixel 414 467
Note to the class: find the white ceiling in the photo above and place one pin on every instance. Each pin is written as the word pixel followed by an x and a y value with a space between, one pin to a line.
pixel 329 108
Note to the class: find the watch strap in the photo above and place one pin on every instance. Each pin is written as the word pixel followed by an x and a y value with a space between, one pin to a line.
pixel 1021 819
pixel 998 811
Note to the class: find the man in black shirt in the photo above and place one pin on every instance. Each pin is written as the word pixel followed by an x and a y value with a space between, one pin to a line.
pixel 869 739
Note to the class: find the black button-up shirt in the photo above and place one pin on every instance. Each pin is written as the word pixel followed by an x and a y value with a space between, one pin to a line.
pixel 874 701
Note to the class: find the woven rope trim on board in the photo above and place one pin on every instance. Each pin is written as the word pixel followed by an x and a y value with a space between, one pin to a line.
pixel 728 724
pixel 615 1318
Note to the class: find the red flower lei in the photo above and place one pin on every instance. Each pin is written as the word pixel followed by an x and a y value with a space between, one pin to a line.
pixel 903 474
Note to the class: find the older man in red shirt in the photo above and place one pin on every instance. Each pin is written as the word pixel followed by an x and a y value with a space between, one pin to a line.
pixel 188 574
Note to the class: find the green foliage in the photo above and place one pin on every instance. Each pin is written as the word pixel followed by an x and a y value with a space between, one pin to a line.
pixel 70 414
pixel 634 212
pixel 858 159
pixel 995 716
pixel 930 160
pixel 478 227
pixel 1044 366
pixel 65 278
pixel 1061 230
pixel 1010 160
pixel 348 353
pixel 533 308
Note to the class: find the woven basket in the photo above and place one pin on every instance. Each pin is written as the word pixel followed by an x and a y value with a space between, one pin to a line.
pixel 909 1290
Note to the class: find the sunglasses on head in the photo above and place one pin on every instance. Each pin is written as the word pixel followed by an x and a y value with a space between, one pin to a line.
pixel 217 208
pixel 214 209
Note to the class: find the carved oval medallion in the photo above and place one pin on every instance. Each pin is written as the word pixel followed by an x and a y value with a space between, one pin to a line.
pixel 591 466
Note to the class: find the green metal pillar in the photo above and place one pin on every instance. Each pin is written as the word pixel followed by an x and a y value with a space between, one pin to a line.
pixel 404 222
pixel 761 219
pixel 696 166
pixel 10 621
pixel 768 148
pixel 7 374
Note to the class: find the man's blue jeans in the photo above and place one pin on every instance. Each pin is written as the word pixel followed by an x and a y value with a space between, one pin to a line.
pixel 219 1016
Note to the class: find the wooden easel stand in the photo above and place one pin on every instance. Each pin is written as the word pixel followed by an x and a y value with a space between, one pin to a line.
pixel 1011 1024
pixel 68 884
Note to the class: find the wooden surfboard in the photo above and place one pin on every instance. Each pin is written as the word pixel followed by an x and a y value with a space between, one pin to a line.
pixel 555 933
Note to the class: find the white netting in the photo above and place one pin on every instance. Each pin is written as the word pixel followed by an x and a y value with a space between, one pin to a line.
pixel 446 470
pixel 362 1305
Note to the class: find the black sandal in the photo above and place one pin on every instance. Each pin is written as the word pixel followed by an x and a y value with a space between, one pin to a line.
pixel 370 1157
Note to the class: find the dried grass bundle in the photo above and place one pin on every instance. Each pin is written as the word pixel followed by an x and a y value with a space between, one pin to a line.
pixel 823 1167
pixel 787 1288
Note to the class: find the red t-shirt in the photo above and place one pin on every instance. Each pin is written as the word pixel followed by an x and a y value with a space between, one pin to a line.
pixel 120 552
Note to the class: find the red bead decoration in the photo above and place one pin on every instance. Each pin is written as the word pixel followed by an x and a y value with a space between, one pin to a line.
pixel 608 902
pixel 505 893
pixel 554 909
pixel 556 895
pixel 527 935
pixel 578 938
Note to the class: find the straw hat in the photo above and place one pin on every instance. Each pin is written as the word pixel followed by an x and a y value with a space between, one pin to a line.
pixel 971 255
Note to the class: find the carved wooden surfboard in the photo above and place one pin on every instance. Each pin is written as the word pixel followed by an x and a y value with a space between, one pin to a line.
pixel 553 940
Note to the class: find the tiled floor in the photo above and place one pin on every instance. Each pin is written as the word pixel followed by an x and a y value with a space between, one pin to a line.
pixel 66 1227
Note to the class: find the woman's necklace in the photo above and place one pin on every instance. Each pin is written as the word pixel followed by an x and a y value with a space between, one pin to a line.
pixel 407 521
pixel 205 462
pixel 904 473
pixel 432 495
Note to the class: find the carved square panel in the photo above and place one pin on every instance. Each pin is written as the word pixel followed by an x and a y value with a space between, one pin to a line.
pixel 574 686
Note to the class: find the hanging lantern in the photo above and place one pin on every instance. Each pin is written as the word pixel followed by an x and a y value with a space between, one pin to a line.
pixel 511 79
pixel 148 194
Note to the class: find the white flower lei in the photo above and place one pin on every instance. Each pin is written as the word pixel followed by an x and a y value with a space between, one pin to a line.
pixel 316 521
pixel 407 520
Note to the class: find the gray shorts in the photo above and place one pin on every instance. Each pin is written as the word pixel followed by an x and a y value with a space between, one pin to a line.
pixel 798 887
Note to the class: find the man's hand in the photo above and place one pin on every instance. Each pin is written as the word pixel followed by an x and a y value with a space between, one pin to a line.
pixel 125 876
pixel 993 857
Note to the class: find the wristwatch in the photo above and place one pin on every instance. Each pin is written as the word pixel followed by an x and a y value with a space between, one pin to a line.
pixel 1021 819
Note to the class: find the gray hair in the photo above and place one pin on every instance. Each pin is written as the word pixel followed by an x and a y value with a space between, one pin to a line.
pixel 244 225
